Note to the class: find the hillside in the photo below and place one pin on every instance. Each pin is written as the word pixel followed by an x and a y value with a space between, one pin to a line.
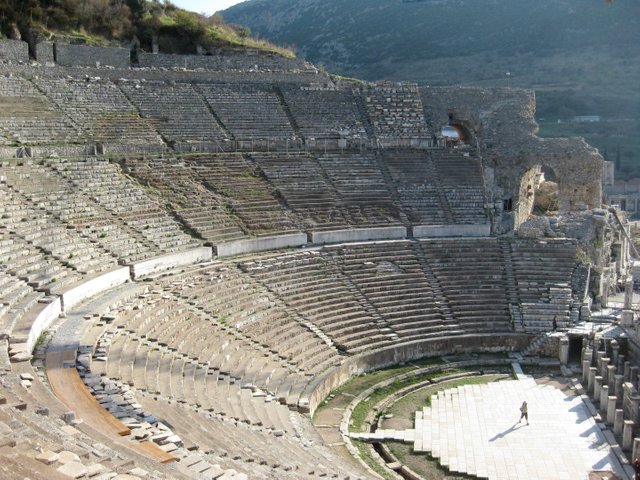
pixel 581 56
pixel 118 22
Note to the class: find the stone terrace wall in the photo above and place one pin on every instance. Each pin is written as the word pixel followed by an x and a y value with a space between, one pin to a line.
pixel 87 56
pixel 194 76
pixel 238 62
pixel 44 52
pixel 14 51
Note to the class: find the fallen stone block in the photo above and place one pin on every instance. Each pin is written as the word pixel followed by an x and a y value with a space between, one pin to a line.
pixel 68 457
pixel 96 469
pixel 48 457
pixel 73 469
pixel 169 447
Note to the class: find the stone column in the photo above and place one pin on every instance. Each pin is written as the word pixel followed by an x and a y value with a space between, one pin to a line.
pixel 586 365
pixel 611 410
pixel 604 399
pixel 591 382
pixel 628 294
pixel 618 422
pixel 634 405
pixel 636 449
pixel 627 366
pixel 604 368
pixel 564 350
pixel 599 356
pixel 619 380
pixel 611 377
pixel 633 376
pixel 597 387
pixel 627 435
pixel 615 351
pixel 621 362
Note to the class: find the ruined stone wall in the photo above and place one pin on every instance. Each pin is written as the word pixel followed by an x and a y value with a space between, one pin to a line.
pixel 301 77
pixel 526 195
pixel 502 122
pixel 88 56
pixel 14 51
pixel 230 62
pixel 44 53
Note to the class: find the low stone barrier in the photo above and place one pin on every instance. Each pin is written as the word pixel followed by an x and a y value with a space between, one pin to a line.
pixel 428 231
pixel 46 317
pixel 359 235
pixel 406 352
pixel 94 286
pixel 168 262
pixel 260 244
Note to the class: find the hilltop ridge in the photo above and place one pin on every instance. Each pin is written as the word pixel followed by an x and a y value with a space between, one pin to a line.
pixel 117 23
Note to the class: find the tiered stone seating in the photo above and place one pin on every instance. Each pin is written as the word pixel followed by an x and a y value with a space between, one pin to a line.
pixel 26 254
pixel 395 111
pixel 248 111
pixel 363 191
pixel 311 284
pixel 324 112
pixel 462 180
pixel 415 179
pixel 48 191
pixel 200 208
pixel 245 448
pixel 177 111
pixel 101 109
pixel 28 117
pixel 390 277
pixel 543 272
pixel 238 335
pixel 471 273
pixel 45 230
pixel 38 439
pixel 16 296
pixel 305 188
pixel 105 183
pixel 248 195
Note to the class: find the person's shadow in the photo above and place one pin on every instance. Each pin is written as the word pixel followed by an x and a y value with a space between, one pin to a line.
pixel 515 426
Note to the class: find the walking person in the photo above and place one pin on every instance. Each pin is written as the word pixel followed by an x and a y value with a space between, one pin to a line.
pixel 554 323
pixel 524 412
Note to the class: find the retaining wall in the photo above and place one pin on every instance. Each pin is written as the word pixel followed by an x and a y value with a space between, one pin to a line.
pixel 359 235
pixel 428 231
pixel 44 53
pixel 94 286
pixel 46 317
pixel 260 244
pixel 88 56
pixel 219 62
pixel 168 262
pixel 322 386
pixel 14 51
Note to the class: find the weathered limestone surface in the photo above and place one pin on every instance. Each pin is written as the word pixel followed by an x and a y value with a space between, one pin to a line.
pixel 358 235
pixel 167 262
pixel 14 51
pixel 260 244
pixel 89 56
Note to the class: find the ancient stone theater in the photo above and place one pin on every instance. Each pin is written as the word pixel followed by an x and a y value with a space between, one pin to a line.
pixel 199 254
